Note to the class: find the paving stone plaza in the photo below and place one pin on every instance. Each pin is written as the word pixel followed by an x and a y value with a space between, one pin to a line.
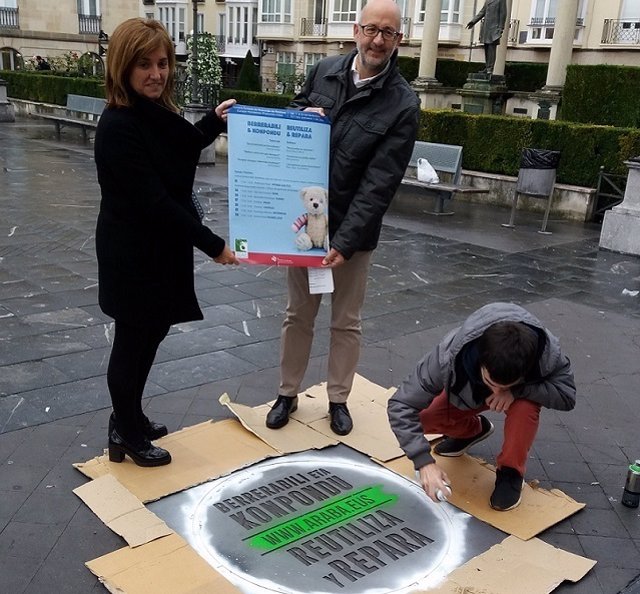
pixel 428 274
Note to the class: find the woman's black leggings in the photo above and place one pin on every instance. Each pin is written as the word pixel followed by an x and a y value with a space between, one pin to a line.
pixel 134 349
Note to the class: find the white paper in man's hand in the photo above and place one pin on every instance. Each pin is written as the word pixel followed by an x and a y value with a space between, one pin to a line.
pixel 320 280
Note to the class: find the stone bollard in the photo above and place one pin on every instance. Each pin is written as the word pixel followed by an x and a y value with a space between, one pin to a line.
pixel 621 225
pixel 6 109
pixel 193 113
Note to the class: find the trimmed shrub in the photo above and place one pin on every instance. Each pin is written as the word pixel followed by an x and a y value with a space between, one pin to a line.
pixel 408 67
pixel 49 88
pixel 602 94
pixel 525 76
pixel 248 77
pixel 494 143
pixel 258 99
pixel 521 76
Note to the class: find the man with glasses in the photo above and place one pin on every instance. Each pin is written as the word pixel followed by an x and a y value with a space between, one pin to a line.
pixel 501 359
pixel 374 121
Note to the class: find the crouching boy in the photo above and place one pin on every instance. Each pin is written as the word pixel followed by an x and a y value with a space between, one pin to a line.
pixel 501 359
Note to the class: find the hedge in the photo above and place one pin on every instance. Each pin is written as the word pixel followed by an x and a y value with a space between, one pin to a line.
pixel 49 88
pixel 256 98
pixel 521 76
pixel 493 144
pixel 602 94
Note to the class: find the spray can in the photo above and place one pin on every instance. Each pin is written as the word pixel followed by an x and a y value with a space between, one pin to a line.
pixel 631 494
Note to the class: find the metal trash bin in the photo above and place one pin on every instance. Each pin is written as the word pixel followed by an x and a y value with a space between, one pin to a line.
pixel 536 178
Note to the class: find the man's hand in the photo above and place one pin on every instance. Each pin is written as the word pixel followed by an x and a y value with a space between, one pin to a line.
pixel 226 257
pixel 432 479
pixel 333 259
pixel 317 110
pixel 470 25
pixel 500 401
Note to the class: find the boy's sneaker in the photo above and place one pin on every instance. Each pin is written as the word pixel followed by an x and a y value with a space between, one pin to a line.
pixel 456 446
pixel 508 491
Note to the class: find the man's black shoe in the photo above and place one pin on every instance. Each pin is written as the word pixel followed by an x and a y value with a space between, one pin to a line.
pixel 456 446
pixel 279 414
pixel 508 491
pixel 151 429
pixel 341 422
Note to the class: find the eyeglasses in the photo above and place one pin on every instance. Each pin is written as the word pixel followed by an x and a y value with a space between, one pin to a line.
pixel 373 30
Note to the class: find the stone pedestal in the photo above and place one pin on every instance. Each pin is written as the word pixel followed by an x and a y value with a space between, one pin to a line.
pixel 424 87
pixel 548 98
pixel 193 113
pixel 6 109
pixel 621 225
pixel 485 94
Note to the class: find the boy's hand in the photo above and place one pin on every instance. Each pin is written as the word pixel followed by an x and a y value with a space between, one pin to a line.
pixel 433 479
pixel 500 401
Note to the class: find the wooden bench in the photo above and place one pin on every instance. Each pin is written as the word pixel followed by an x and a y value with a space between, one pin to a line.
pixel 446 159
pixel 81 111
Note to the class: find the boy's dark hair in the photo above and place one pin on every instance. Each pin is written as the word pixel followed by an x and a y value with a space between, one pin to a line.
pixel 508 351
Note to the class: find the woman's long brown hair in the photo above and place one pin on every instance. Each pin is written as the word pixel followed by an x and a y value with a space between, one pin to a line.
pixel 130 41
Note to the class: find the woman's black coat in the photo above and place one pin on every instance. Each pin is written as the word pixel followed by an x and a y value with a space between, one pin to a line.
pixel 146 157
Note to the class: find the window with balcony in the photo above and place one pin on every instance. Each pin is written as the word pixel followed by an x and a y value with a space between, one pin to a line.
pixel 9 14
pixel 173 16
pixel 89 20
pixel 449 13
pixel 240 25
pixel 543 20
pixel 310 60
pixel 626 29
pixel 287 79
pixel 276 11
pixel 89 7
pixel 347 10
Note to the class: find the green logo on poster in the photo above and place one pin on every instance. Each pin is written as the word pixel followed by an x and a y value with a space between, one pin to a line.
pixel 242 245
pixel 336 511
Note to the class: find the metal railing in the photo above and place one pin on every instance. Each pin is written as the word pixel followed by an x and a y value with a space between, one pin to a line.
pixel 550 22
pixel 89 23
pixel 621 32
pixel 514 31
pixel 221 43
pixel 9 18
pixel 309 28
pixel 609 192
pixel 206 94
pixel 405 28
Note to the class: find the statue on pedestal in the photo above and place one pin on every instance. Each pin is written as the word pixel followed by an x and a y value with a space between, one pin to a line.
pixel 494 13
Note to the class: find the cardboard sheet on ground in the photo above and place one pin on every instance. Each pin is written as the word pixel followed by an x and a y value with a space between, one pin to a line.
pixel 295 437
pixel 165 566
pixel 199 453
pixel 506 567
pixel 367 404
pixel 472 483
pixel 122 511
pixel 215 449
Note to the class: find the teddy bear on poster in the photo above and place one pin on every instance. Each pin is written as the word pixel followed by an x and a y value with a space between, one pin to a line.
pixel 314 221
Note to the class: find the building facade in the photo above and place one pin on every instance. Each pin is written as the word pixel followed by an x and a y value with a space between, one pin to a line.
pixel 287 37
pixel 58 29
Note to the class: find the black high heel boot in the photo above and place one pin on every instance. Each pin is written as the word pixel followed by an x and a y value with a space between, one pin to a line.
pixel 143 453
pixel 151 429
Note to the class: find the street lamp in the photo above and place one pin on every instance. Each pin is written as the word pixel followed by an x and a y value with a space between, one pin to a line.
pixel 194 55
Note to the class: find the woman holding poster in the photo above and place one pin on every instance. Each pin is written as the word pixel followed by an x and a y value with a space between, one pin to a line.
pixel 146 156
